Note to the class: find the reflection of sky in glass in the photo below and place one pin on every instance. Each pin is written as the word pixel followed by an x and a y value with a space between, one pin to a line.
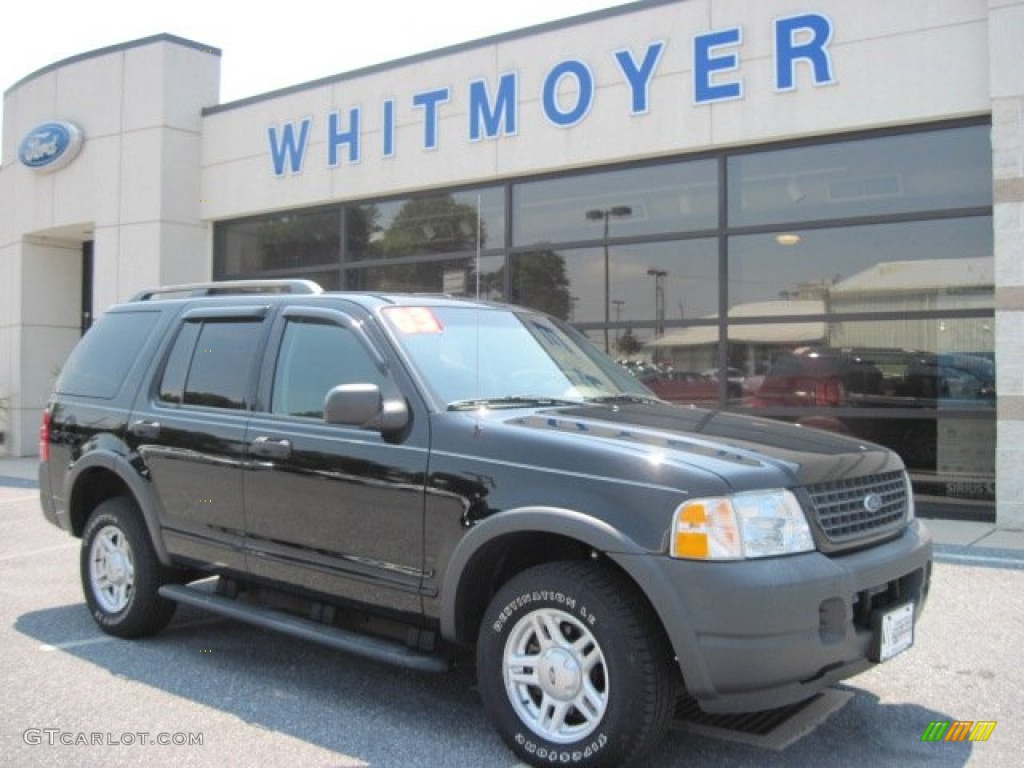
pixel 678 197
pixel 690 283
pixel 762 270
pixel 924 171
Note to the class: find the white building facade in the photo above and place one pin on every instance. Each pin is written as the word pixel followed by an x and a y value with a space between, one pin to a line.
pixel 704 184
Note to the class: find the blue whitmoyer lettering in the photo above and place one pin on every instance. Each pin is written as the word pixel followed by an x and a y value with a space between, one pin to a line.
pixel 568 93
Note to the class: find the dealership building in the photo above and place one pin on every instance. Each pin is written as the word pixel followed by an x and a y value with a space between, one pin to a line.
pixel 810 210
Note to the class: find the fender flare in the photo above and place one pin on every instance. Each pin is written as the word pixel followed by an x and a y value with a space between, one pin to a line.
pixel 637 563
pixel 139 487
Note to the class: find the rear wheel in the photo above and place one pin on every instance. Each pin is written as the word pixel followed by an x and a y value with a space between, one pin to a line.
pixel 121 573
pixel 574 668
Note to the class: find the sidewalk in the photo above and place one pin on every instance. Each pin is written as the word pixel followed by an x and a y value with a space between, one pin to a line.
pixel 960 541
pixel 19 473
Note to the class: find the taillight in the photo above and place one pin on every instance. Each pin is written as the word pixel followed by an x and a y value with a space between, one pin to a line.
pixel 44 437
pixel 829 393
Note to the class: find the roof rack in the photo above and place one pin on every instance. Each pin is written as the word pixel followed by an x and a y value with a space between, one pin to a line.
pixel 229 288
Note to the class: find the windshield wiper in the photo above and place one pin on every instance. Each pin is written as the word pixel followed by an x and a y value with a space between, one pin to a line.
pixel 623 398
pixel 509 401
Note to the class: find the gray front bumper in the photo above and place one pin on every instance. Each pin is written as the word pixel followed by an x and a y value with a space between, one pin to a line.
pixel 753 635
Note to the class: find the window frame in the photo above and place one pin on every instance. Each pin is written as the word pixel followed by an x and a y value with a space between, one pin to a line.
pixel 202 316
pixel 263 401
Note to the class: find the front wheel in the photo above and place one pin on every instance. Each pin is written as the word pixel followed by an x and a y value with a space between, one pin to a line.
pixel 573 667
pixel 121 573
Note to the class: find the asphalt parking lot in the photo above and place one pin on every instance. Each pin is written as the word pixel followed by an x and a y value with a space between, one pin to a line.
pixel 213 692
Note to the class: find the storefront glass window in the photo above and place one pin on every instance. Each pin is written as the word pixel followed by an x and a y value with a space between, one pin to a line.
pixel 945 169
pixel 675 197
pixel 925 388
pixel 924 265
pixel 423 225
pixel 455 277
pixel 654 285
pixel 858 295
pixel 278 242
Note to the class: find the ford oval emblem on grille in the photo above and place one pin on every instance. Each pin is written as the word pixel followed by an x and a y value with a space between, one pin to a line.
pixel 872 502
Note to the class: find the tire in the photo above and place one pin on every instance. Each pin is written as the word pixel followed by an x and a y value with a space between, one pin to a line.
pixel 573 667
pixel 121 573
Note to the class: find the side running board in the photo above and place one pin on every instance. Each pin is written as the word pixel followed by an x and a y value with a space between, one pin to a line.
pixel 374 648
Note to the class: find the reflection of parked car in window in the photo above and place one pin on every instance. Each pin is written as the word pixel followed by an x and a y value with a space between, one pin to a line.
pixel 687 386
pixel 879 378
pixel 735 375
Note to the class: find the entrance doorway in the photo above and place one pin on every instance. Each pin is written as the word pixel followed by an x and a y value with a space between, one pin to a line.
pixel 87 250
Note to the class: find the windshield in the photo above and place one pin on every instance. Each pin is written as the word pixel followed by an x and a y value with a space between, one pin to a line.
pixel 473 355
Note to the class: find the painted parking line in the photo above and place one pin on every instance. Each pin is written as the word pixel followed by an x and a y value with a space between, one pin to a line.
pixel 35 552
pixel 78 643
pixel 9 496
pixel 48 647
pixel 984 559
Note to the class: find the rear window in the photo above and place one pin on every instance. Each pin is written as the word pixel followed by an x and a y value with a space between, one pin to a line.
pixel 100 363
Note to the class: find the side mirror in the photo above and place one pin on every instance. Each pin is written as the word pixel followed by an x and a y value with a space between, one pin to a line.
pixel 363 405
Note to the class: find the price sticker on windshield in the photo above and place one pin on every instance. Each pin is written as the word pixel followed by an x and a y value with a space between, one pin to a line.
pixel 413 320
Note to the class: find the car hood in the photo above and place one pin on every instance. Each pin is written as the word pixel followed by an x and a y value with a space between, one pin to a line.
pixel 739 449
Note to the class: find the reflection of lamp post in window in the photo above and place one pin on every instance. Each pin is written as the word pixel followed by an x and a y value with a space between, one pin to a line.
pixel 606 214
pixel 659 302
pixel 618 316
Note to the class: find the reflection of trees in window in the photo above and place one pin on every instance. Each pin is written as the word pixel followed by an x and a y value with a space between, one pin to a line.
pixel 628 344
pixel 298 241
pixel 432 225
pixel 540 281
pixel 421 226
pixel 362 226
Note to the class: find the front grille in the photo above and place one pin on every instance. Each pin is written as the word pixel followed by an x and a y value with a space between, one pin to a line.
pixel 844 514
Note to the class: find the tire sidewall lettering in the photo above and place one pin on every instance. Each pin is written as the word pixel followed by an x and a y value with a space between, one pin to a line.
pixel 556 755
pixel 569 604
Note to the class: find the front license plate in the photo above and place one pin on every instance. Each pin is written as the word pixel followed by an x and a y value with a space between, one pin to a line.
pixel 894 631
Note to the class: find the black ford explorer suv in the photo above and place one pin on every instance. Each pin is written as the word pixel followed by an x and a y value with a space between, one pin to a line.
pixel 442 475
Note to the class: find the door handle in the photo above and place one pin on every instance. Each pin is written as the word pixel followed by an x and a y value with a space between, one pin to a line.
pixel 145 428
pixel 271 448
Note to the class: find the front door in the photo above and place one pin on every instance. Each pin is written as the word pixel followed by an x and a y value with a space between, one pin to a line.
pixel 334 509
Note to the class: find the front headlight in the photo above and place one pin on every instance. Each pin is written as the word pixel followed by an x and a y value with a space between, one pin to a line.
pixel 755 524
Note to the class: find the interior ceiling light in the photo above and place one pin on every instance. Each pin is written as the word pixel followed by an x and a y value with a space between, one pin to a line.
pixel 787 238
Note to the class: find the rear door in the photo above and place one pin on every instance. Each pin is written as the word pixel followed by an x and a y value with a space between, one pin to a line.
pixel 330 508
pixel 190 431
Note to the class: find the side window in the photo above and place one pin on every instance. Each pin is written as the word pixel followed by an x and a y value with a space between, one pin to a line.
pixel 101 361
pixel 314 357
pixel 210 364
pixel 172 384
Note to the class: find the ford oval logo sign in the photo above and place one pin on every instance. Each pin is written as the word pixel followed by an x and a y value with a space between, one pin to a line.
pixel 873 502
pixel 50 146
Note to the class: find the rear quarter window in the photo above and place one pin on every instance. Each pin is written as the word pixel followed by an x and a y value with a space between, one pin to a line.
pixel 99 365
